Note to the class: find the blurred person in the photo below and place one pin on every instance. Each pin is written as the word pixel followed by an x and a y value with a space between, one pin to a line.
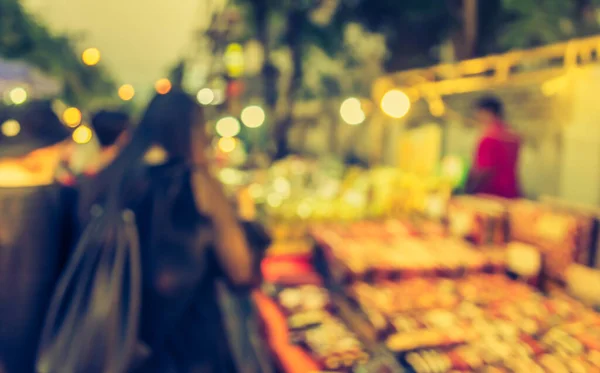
pixel 494 169
pixel 111 129
pixel 190 239
pixel 35 227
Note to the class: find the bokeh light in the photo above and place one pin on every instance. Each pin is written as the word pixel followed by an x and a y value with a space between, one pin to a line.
pixel 72 117
pixel 234 60
pixel 253 116
pixel 228 127
pixel 126 92
pixel 206 96
pixel 395 103
pixel 10 128
pixel 351 111
pixel 226 144
pixel 18 95
pixel 163 86
pixel 454 169
pixel 82 134
pixel 219 97
pixel 274 200
pixel 91 56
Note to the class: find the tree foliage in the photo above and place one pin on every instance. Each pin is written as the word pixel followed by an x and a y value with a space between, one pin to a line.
pixel 322 62
pixel 23 37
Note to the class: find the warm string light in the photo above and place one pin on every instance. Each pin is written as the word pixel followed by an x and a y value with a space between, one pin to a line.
pixel 395 104
pixel 227 144
pixel 228 127
pixel 126 92
pixel 351 111
pixel 82 135
pixel 10 128
pixel 253 116
pixel 206 96
pixel 163 86
pixel 72 117
pixel 18 95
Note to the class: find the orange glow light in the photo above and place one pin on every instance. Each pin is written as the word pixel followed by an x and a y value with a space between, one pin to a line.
pixel 91 56
pixel 126 92
pixel 163 86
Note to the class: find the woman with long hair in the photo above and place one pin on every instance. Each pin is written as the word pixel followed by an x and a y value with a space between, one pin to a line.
pixel 189 235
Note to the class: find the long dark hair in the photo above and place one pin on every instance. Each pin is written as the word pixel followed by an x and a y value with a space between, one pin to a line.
pixel 171 118
pixel 167 122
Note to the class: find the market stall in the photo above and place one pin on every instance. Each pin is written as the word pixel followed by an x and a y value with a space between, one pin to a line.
pixel 484 289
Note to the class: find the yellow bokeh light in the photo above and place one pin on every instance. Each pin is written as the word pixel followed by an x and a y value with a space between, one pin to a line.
pixel 228 127
pixel 72 117
pixel 18 95
pixel 163 86
pixel 234 60
pixel 253 116
pixel 206 96
pixel 226 144
pixel 91 56
pixel 82 135
pixel 126 92
pixel 10 128
pixel 352 112
pixel 395 103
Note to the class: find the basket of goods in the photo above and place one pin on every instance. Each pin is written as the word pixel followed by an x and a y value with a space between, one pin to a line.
pixel 562 238
pixel 481 220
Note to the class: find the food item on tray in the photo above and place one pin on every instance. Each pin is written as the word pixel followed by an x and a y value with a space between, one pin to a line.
pixel 388 252
pixel 479 219
pixel 307 319
pixel 427 338
pixel 303 298
pixel 333 345
pixel 314 327
pixel 429 361
pixel 414 294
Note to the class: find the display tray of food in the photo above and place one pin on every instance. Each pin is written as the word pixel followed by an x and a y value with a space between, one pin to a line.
pixel 392 250
pixel 314 325
pixel 480 323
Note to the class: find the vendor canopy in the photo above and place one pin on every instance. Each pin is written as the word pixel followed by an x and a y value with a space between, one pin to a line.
pixel 16 73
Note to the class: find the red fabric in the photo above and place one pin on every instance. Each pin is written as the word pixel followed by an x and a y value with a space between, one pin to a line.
pixel 278 266
pixel 292 359
pixel 498 153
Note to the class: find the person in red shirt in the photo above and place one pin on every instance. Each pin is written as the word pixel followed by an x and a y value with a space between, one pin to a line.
pixel 494 170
